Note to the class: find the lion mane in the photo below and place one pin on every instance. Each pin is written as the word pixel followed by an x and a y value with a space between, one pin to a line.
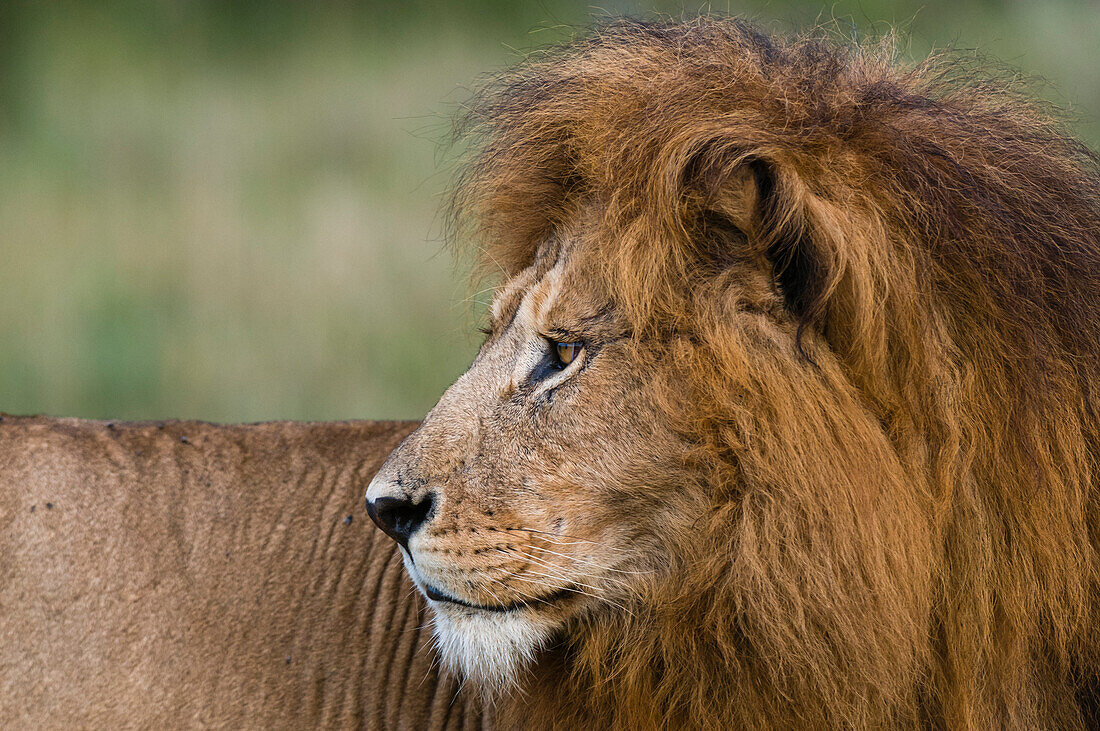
pixel 935 235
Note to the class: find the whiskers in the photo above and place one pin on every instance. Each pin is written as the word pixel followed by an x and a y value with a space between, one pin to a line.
pixel 536 567
pixel 589 562
pixel 555 539
pixel 554 578
pixel 529 574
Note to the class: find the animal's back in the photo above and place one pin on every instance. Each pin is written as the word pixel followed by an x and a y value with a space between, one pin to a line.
pixel 190 574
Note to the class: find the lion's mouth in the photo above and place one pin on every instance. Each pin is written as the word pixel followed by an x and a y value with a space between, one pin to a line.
pixel 546 599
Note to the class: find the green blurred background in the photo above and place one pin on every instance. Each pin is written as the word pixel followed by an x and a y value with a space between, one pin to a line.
pixel 229 211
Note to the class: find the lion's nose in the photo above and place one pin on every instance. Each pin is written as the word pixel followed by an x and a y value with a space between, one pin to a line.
pixel 399 517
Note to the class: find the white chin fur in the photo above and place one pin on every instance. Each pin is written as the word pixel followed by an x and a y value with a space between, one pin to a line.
pixel 489 649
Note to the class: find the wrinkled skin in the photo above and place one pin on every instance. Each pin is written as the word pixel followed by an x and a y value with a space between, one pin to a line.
pixel 191 575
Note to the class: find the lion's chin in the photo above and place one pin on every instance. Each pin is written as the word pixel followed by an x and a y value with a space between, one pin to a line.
pixel 490 650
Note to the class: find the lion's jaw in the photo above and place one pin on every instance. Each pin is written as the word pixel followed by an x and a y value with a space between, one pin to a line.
pixel 490 649
pixel 540 480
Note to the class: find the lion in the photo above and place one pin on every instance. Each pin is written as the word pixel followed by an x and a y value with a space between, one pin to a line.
pixel 785 418
pixel 786 412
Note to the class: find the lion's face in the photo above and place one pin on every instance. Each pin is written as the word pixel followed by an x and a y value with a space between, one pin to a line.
pixel 546 478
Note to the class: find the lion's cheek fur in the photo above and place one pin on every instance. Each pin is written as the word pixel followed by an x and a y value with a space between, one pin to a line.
pixel 815 555
pixel 805 570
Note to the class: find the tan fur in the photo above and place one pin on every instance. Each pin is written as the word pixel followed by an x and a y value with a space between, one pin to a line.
pixel 826 460
pixel 829 459
pixel 184 575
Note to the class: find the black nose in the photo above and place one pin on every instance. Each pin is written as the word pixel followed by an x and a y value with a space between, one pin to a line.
pixel 399 517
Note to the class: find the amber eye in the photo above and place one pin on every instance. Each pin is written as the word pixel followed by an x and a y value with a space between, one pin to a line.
pixel 567 352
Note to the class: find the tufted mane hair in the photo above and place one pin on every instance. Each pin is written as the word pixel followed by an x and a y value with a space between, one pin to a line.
pixel 934 236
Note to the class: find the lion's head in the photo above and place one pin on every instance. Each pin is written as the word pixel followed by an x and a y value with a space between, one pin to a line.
pixel 784 414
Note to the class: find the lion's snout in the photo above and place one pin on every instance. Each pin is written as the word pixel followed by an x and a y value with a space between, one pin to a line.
pixel 399 503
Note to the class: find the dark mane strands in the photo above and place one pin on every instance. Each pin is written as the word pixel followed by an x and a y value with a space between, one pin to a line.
pixel 935 230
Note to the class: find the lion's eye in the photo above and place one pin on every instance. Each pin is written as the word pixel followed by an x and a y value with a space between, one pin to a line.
pixel 567 352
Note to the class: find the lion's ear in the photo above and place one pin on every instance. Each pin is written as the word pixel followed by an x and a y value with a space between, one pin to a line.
pixel 752 197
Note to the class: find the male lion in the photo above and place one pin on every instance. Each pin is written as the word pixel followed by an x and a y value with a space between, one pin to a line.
pixel 785 417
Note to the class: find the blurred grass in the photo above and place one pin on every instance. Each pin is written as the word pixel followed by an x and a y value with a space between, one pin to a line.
pixel 228 210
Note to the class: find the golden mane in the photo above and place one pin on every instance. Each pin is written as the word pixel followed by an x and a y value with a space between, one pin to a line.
pixel 936 235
